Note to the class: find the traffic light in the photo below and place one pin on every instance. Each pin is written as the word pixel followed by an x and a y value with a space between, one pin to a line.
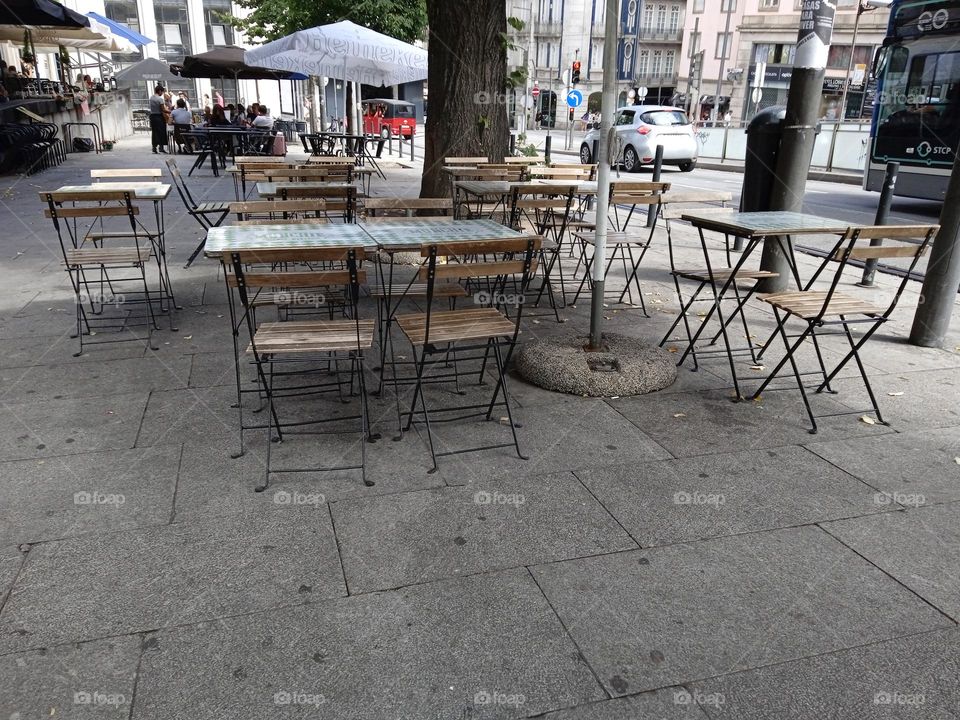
pixel 575 73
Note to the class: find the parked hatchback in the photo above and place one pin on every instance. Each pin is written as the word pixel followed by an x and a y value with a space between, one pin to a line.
pixel 640 128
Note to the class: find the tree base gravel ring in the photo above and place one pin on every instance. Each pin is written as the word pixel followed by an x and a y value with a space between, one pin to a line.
pixel 626 366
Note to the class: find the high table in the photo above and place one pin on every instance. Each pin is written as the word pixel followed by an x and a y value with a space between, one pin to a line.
pixel 156 193
pixel 753 227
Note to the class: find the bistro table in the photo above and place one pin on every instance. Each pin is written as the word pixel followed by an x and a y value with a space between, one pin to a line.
pixel 155 192
pixel 754 228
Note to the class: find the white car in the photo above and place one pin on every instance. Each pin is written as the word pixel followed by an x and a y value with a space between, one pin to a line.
pixel 640 129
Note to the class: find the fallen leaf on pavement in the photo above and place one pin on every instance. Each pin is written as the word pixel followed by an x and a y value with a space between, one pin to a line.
pixel 679 415
pixel 867 420
pixel 895 394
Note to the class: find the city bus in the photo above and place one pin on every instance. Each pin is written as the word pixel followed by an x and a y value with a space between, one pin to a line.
pixel 916 114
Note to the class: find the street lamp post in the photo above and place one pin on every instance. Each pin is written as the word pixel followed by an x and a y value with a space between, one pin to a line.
pixel 862 7
pixel 715 114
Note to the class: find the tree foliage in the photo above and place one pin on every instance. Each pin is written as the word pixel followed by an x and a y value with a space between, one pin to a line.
pixel 272 19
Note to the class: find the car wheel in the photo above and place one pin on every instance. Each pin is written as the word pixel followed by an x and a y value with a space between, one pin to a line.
pixel 631 163
pixel 688 165
pixel 585 154
pixel 385 133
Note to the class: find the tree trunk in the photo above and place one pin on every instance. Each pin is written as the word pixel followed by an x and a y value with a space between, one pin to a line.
pixel 466 77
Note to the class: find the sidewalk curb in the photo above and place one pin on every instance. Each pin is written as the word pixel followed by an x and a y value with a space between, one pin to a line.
pixel 821 175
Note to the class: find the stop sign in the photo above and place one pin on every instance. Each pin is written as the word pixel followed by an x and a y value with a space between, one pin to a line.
pixel 535 91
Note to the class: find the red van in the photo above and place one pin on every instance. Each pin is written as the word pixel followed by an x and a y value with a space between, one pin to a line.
pixel 386 117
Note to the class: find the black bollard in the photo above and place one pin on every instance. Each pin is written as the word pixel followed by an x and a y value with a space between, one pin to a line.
pixel 883 211
pixel 546 150
pixel 657 168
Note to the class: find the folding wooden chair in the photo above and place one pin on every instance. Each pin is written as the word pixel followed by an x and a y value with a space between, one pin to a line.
pixel 434 332
pixel 312 173
pixel 341 200
pixel 208 214
pixel 101 277
pixel 622 243
pixel 545 210
pixel 831 307
pixel 281 350
pixel 272 212
pixel 391 207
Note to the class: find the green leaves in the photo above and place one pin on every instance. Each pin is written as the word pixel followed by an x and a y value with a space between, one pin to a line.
pixel 272 19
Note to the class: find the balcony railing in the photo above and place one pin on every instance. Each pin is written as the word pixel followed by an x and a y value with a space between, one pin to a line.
pixel 657 79
pixel 652 35
pixel 542 29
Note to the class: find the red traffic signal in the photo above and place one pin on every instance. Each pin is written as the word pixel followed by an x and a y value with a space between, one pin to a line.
pixel 575 73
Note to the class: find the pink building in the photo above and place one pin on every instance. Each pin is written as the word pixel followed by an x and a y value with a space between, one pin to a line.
pixel 726 42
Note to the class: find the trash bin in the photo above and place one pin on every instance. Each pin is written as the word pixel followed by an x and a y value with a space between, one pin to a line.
pixel 763 145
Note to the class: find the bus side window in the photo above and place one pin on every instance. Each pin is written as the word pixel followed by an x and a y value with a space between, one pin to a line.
pixel 897 62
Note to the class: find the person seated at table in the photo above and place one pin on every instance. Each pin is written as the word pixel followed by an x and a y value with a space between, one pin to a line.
pixel 252 112
pixel 263 120
pixel 182 122
pixel 238 117
pixel 218 118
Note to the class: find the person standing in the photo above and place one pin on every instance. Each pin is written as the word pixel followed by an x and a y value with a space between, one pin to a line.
pixel 158 126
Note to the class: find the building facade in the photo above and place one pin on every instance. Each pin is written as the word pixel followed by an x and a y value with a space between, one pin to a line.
pixel 744 55
pixel 561 32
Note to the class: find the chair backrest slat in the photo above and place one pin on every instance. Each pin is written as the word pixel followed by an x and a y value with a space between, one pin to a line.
pixel 298 279
pixel 453 271
pixel 286 255
pixel 277 207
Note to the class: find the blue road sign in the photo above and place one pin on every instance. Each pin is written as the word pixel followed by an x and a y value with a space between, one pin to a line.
pixel 574 98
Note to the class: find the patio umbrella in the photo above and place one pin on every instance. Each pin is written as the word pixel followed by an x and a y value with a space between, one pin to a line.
pixel 228 62
pixel 346 51
pixel 40 13
pixel 149 70
pixel 92 36
pixel 121 30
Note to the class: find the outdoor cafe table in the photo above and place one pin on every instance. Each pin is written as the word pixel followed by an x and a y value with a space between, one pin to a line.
pixel 754 228
pixel 154 192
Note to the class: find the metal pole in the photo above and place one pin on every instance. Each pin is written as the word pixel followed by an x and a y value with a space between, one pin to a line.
pixel 799 131
pixel 657 168
pixel 546 148
pixel 846 81
pixel 607 108
pixel 723 59
pixel 883 211
pixel 846 86
pixel 942 279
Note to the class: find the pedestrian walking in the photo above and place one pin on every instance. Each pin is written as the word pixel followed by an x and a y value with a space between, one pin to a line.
pixel 158 126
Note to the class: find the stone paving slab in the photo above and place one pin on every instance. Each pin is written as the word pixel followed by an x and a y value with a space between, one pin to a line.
pixel 710 422
pixel 212 483
pixel 664 704
pixel 70 426
pixel 920 547
pixel 922 462
pixel 930 399
pixel 87 681
pixel 727 494
pixel 21 352
pixel 555 436
pixel 99 379
pixel 402 539
pixel 652 618
pixel 190 415
pixel 912 677
pixel 116 583
pixel 11 560
pixel 63 496
pixel 435 651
